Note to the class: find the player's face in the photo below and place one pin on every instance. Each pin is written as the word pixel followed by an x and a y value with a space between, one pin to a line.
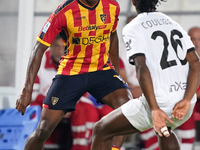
pixel 195 37
pixel 57 49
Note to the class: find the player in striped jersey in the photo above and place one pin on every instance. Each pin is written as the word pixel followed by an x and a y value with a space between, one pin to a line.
pixel 167 68
pixel 89 29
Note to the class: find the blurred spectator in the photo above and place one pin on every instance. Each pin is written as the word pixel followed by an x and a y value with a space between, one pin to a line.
pixel 82 121
pixel 61 137
pixel 194 33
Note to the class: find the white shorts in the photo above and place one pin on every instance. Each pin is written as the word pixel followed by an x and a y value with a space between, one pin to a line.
pixel 138 113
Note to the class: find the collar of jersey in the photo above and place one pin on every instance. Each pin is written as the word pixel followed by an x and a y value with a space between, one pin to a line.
pixel 87 6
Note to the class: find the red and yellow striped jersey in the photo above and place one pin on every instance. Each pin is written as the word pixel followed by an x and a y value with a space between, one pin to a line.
pixel 87 32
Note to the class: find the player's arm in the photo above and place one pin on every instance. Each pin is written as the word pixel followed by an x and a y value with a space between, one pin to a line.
pixel 145 81
pixel 182 107
pixel 33 66
pixel 114 50
pixel 159 117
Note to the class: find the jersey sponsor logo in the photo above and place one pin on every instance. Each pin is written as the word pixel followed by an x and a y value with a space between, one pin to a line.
pixel 103 17
pixel 177 86
pixel 90 40
pixel 46 26
pixel 76 40
pixel 91 27
pixel 54 100
pixel 128 45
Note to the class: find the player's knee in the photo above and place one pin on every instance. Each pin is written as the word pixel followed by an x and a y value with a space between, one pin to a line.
pixel 43 131
pixel 169 143
pixel 97 129
pixel 100 132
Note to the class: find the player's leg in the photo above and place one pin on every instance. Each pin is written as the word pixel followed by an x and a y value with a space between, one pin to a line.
pixel 115 100
pixel 169 143
pixel 111 125
pixel 49 120
pixel 186 134
pixel 111 90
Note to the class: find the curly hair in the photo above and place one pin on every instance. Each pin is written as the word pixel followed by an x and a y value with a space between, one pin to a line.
pixel 147 5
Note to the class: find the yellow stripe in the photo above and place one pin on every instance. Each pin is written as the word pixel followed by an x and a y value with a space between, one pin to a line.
pixel 70 26
pixel 41 41
pixel 81 55
pixel 70 23
pixel 113 148
pixel 112 11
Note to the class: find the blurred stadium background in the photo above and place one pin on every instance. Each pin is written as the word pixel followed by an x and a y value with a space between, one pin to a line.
pixel 21 21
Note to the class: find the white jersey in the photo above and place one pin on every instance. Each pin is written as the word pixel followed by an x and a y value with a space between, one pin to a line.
pixel 165 45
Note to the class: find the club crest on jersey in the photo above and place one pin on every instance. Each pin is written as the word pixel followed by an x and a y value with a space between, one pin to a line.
pixel 54 100
pixel 103 17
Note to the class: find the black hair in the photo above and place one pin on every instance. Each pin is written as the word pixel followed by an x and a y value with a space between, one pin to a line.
pixel 147 5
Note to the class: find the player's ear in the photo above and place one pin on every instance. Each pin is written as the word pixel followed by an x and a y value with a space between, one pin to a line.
pixel 134 3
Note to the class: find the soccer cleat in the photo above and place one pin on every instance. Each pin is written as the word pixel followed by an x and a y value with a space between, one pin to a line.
pixel 115 147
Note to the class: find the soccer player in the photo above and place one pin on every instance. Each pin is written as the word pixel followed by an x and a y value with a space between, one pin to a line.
pixel 168 72
pixel 89 27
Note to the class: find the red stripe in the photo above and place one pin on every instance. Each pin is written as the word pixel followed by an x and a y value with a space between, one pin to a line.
pixel 116 147
pixel 92 16
pixel 45 106
pixel 116 19
pixel 106 31
pixel 101 58
pixel 106 11
pixel 37 80
pixel 198 89
pixel 87 60
pixel 189 124
pixel 148 143
pixel 76 14
pixel 121 64
pixel 70 63
pixel 77 34
pixel 92 33
pixel 190 141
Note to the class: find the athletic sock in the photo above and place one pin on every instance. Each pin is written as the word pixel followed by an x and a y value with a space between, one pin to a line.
pixel 115 147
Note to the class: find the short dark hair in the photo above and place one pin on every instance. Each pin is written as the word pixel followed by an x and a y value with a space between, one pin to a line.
pixel 146 5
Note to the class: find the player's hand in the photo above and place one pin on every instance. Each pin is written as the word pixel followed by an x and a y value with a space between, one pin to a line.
pixel 159 118
pixel 180 109
pixel 23 101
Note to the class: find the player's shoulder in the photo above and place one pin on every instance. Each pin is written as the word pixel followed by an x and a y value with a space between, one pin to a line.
pixel 65 5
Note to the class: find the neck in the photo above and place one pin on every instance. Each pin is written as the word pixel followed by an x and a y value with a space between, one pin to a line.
pixel 90 2
pixel 153 10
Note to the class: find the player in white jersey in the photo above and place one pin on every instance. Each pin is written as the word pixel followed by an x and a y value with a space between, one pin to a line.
pixel 168 72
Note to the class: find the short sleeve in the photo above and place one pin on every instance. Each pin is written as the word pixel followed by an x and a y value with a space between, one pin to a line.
pixel 188 43
pixel 135 44
pixel 50 30
pixel 116 19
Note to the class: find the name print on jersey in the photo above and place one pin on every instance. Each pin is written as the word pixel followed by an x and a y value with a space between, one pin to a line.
pixel 155 22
